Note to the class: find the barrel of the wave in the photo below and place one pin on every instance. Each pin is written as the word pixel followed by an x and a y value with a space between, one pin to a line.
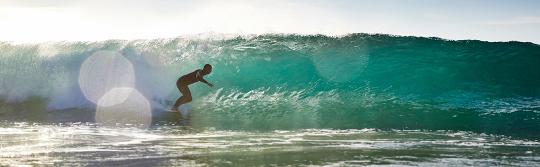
pixel 107 79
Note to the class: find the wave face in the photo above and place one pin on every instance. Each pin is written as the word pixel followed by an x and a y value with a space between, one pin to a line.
pixel 286 81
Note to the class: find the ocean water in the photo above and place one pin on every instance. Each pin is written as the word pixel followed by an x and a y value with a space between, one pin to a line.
pixel 354 100
pixel 85 144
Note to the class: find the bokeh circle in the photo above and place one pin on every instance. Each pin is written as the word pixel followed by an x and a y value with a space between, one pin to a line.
pixel 103 71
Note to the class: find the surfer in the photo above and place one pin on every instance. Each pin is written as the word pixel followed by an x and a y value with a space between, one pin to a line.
pixel 188 79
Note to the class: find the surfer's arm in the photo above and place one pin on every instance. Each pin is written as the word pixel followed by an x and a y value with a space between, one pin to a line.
pixel 206 82
pixel 199 77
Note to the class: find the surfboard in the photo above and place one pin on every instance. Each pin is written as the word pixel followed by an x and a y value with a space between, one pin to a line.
pixel 172 111
pixel 183 110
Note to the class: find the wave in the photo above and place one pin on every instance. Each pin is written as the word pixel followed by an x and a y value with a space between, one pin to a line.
pixel 277 81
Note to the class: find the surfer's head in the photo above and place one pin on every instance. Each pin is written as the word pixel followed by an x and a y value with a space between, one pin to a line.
pixel 207 69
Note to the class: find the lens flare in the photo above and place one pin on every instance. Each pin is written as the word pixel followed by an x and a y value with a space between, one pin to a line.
pixel 135 109
pixel 346 64
pixel 103 71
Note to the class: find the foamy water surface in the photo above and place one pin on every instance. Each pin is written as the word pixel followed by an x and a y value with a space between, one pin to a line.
pixel 166 145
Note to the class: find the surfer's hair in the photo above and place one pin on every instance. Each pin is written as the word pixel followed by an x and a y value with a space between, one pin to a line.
pixel 207 66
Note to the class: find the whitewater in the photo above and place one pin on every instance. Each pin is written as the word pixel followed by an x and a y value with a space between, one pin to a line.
pixel 279 99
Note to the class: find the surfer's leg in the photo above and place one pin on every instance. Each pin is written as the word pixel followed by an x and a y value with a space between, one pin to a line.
pixel 176 104
pixel 186 97
pixel 180 86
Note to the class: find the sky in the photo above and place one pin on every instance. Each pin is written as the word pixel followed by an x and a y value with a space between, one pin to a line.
pixel 90 20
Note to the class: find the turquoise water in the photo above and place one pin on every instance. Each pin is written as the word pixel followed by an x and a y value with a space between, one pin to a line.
pixel 394 86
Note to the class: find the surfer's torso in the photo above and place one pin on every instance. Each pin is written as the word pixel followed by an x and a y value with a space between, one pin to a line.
pixel 190 78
